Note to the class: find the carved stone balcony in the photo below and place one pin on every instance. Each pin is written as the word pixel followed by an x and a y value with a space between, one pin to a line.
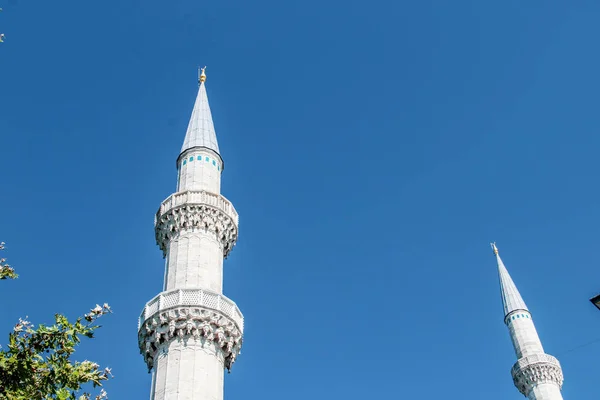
pixel 536 369
pixel 196 211
pixel 198 318
pixel 196 298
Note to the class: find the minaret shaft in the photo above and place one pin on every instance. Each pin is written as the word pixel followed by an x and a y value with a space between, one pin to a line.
pixel 187 373
pixel 194 260
pixel 537 375
pixel 199 168
pixel 523 334
pixel 545 391
pixel 189 332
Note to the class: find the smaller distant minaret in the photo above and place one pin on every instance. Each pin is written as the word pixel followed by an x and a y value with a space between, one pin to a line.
pixel 537 375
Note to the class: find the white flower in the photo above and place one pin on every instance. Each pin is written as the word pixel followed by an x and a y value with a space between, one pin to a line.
pixel 97 309
pixel 24 323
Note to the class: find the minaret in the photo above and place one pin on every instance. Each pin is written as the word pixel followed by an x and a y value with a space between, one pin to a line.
pixel 537 375
pixel 190 332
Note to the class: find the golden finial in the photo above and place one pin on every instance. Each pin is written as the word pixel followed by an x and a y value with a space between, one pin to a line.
pixel 201 75
pixel 494 248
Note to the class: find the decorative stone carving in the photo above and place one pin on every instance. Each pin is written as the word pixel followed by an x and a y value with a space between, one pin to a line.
pixel 534 370
pixel 195 217
pixel 199 299
pixel 212 330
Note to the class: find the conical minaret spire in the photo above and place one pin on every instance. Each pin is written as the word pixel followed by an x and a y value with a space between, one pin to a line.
pixel 190 332
pixel 511 298
pixel 537 375
pixel 201 130
pixel 200 164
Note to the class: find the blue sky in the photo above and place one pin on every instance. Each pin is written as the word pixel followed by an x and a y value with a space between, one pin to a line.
pixel 372 149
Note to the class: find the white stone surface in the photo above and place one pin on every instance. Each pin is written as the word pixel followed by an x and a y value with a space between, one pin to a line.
pixel 523 334
pixel 199 169
pixel 187 372
pixel 195 259
pixel 545 391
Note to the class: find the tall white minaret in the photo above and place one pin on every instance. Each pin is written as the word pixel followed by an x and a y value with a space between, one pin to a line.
pixel 537 375
pixel 189 332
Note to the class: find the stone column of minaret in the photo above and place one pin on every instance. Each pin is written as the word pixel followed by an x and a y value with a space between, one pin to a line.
pixel 537 375
pixel 190 332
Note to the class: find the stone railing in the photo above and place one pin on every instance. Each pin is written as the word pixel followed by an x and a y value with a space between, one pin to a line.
pixel 198 197
pixel 193 297
pixel 534 359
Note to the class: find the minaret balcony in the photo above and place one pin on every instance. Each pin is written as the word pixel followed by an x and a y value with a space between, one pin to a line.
pixel 193 210
pixel 536 369
pixel 197 318
pixel 196 298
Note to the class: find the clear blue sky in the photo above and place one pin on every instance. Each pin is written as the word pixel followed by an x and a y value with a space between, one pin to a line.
pixel 372 149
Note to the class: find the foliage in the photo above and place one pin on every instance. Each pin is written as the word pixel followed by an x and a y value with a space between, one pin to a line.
pixel 6 272
pixel 36 364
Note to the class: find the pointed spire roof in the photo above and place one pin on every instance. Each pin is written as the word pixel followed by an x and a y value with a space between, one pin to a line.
pixel 201 131
pixel 511 298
